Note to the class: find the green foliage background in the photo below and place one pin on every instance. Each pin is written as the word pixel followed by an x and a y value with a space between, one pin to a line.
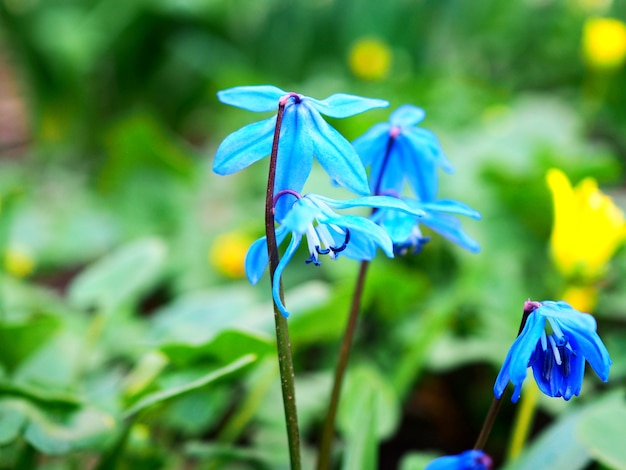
pixel 126 348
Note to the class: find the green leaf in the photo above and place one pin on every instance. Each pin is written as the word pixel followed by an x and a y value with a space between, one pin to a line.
pixel 557 447
pixel 362 442
pixel 172 392
pixel 225 347
pixel 368 380
pixel 53 432
pixel 20 338
pixel 120 276
pixel 417 460
pixel 601 431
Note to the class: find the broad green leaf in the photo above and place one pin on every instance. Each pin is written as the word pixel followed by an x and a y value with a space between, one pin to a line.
pixel 368 380
pixel 225 347
pixel 163 395
pixel 55 432
pixel 556 448
pixel 120 276
pixel 42 396
pixel 362 442
pixel 417 460
pixel 601 431
pixel 20 338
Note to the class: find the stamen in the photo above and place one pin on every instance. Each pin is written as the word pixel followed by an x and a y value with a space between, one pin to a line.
pixel 313 259
pixel 566 366
pixel 322 252
pixel 547 367
pixel 544 341
pixel 556 328
pixel 313 243
pixel 345 243
pixel 555 350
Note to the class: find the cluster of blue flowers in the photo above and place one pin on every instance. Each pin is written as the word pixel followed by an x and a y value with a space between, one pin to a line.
pixel 399 155
pixel 396 153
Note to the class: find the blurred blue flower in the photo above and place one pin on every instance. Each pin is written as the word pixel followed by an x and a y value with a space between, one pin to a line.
pixel 557 358
pixel 303 134
pixel 468 460
pixel 326 232
pixel 399 151
pixel 404 229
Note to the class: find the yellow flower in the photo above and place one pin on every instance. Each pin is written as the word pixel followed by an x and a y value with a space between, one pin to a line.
pixel 370 59
pixel 582 298
pixel 228 253
pixel 604 42
pixel 588 227
pixel 18 262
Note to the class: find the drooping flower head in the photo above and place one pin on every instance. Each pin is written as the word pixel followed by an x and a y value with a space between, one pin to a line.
pixel 468 460
pixel 400 152
pixel 303 135
pixel 588 227
pixel 439 216
pixel 555 342
pixel 326 232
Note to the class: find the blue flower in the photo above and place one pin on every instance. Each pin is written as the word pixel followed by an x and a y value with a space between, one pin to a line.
pixel 557 357
pixel 468 460
pixel 404 229
pixel 399 151
pixel 303 135
pixel 326 232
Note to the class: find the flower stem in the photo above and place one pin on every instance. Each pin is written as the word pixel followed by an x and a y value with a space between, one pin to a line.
pixel 488 423
pixel 283 344
pixel 328 429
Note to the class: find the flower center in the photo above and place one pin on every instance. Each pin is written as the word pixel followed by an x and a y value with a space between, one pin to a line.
pixel 321 242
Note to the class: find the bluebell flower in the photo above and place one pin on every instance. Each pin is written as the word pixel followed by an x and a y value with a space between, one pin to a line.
pixel 399 152
pixel 468 460
pixel 405 231
pixel 326 232
pixel 303 135
pixel 557 356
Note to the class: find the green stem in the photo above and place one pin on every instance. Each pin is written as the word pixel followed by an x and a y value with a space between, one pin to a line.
pixel 523 420
pixel 283 344
pixel 328 429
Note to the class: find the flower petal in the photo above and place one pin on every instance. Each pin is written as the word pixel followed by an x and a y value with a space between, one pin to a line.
pixel 363 232
pixel 372 144
pixel 407 115
pixel 452 207
pixel 517 359
pixel 291 249
pixel 375 202
pixel 336 155
pixel 295 155
pixel 244 147
pixel 427 143
pixel 450 227
pixel 419 168
pixel 342 105
pixel 256 258
pixel 260 98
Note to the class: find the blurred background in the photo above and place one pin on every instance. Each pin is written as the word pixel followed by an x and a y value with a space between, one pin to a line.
pixel 122 252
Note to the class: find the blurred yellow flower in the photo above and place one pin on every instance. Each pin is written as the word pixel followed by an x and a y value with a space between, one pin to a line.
pixel 582 298
pixel 228 253
pixel 604 42
pixel 588 227
pixel 18 262
pixel 370 59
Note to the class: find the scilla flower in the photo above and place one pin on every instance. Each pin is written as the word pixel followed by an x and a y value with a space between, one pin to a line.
pixel 557 356
pixel 303 135
pixel 405 231
pixel 399 151
pixel 468 460
pixel 327 234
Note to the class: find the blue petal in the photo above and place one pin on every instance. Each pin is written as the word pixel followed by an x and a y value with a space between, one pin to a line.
pixel 419 168
pixel 256 258
pixel 341 105
pixel 252 98
pixel 376 202
pixel 244 147
pixel 451 206
pixel 450 228
pixel 295 155
pixel 373 144
pixel 335 154
pixel 291 249
pixel 398 225
pixel 468 460
pixel 587 343
pixel 517 359
pixel 426 142
pixel 300 217
pixel 407 115
pixel 363 232
pixel 387 173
